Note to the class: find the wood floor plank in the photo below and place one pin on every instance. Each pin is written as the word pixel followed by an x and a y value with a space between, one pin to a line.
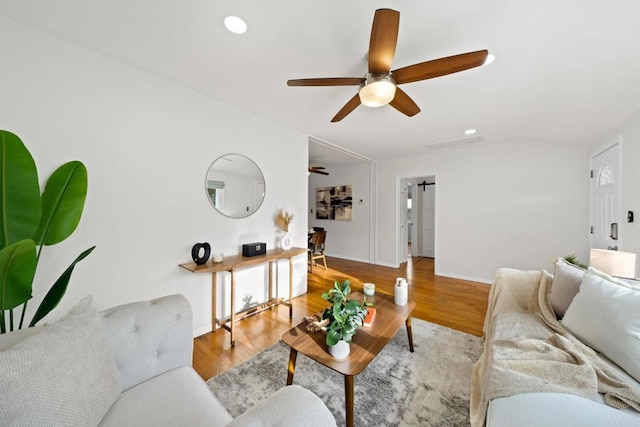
pixel 458 304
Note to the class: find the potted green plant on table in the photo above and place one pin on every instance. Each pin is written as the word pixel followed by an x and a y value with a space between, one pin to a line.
pixel 29 221
pixel 344 316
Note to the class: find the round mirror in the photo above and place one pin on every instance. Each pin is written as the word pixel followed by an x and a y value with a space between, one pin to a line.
pixel 235 185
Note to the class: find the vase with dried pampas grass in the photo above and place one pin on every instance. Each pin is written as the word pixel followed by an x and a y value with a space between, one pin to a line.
pixel 283 219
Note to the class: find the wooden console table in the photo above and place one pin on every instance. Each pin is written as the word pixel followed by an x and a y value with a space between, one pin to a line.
pixel 231 264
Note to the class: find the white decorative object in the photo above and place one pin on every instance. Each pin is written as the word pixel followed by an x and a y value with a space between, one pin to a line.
pixel 340 350
pixel 401 291
pixel 286 242
pixel 369 289
pixel 218 257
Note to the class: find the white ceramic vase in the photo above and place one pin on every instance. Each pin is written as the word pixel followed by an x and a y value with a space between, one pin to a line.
pixel 401 291
pixel 340 350
pixel 286 242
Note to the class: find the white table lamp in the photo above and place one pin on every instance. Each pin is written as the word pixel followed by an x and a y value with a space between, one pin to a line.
pixel 614 263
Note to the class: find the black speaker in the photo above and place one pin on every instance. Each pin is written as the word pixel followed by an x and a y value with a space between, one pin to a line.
pixel 254 249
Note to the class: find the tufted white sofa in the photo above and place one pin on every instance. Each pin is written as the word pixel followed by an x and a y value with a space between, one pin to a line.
pixel 132 369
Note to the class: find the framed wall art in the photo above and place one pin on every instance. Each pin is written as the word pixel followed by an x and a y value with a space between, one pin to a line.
pixel 334 203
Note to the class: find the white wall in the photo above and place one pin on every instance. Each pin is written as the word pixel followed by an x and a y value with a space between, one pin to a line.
pixel 629 233
pixel 346 239
pixel 147 145
pixel 497 205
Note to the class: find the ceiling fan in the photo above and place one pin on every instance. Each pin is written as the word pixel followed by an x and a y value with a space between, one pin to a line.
pixel 318 169
pixel 379 86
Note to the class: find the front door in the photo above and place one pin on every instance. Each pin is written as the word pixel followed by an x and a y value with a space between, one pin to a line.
pixel 605 197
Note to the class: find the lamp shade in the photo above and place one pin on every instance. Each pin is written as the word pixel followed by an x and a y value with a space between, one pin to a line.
pixel 614 263
pixel 377 91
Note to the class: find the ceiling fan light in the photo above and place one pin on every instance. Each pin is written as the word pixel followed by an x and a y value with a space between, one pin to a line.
pixel 377 91
pixel 490 58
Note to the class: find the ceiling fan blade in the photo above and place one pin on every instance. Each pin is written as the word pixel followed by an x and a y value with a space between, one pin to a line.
pixel 439 67
pixel 317 167
pixel 382 44
pixel 331 81
pixel 318 172
pixel 403 103
pixel 348 108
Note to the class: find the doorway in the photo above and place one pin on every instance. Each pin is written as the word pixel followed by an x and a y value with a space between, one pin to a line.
pixel 605 197
pixel 354 239
pixel 417 217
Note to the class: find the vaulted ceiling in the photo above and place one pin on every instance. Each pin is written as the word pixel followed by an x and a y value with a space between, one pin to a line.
pixel 566 71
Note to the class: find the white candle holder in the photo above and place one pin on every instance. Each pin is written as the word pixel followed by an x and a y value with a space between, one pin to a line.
pixel 369 289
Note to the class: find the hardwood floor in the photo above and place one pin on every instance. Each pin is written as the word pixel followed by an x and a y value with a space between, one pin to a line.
pixel 458 304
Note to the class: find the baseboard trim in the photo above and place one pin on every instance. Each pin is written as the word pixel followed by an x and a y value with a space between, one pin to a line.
pixel 464 277
pixel 366 261
pixel 384 264
pixel 201 331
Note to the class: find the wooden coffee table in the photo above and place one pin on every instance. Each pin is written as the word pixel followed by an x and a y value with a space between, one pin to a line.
pixel 365 346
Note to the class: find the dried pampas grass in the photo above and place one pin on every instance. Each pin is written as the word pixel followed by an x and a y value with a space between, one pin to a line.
pixel 283 219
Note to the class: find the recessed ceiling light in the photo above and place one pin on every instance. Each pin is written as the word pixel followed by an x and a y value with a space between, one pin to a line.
pixel 470 131
pixel 490 58
pixel 235 24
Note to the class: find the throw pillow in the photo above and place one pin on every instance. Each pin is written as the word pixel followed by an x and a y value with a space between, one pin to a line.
pixel 605 316
pixel 634 283
pixel 63 375
pixel 566 283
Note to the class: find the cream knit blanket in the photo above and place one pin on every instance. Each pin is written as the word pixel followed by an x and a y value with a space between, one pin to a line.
pixel 526 350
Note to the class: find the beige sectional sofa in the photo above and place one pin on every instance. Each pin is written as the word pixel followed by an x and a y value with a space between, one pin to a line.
pixel 567 356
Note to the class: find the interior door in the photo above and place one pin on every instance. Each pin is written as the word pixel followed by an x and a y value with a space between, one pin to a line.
pixel 429 221
pixel 415 219
pixel 403 239
pixel 605 197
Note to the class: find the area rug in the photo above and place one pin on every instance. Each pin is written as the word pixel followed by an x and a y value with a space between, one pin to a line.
pixel 429 387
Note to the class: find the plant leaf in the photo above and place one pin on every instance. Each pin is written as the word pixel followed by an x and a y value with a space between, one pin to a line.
pixel 62 203
pixel 20 203
pixel 332 337
pixel 349 329
pixel 346 289
pixel 17 268
pixel 351 307
pixel 57 291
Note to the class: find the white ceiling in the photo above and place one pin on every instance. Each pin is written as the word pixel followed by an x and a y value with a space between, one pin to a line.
pixel 566 71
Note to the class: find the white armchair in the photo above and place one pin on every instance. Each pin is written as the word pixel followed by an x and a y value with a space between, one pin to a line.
pixel 150 378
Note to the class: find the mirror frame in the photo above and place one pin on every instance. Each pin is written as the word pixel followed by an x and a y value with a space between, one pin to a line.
pixel 259 172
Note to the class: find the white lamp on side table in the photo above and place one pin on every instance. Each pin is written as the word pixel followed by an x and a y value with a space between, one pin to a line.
pixel 615 263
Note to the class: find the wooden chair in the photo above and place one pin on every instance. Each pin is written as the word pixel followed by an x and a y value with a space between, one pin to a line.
pixel 316 248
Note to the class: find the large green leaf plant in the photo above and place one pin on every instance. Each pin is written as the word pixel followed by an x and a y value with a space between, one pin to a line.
pixel 345 315
pixel 29 221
